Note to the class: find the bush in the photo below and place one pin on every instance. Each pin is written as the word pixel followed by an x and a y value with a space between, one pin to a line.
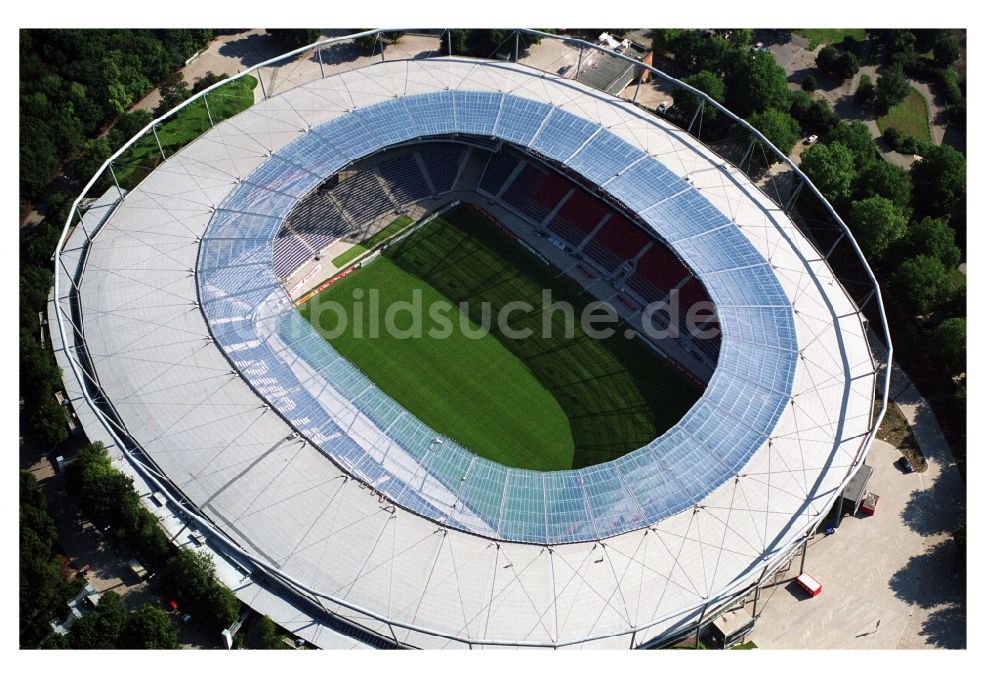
pixel 951 88
pixel 810 84
pixel 904 143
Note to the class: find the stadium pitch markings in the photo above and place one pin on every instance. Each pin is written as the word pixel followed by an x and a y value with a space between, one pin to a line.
pixel 537 402
pixel 471 389
pixel 370 243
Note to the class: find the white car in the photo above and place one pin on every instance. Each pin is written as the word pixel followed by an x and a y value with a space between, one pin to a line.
pixel 812 138
pixel 662 108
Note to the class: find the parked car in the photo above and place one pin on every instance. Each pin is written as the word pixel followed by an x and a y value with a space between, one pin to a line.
pixel 904 465
pixel 812 138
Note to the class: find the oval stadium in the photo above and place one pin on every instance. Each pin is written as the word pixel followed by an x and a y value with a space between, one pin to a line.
pixel 366 491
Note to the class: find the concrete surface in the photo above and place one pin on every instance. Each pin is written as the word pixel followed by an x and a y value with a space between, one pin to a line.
pixel 891 581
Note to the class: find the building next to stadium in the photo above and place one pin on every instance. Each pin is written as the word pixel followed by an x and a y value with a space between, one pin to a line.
pixel 349 521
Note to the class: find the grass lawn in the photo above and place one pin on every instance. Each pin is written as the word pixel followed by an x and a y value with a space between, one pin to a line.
pixel 186 125
pixel 535 402
pixel 909 117
pixel 829 36
pixel 367 245
pixel 473 390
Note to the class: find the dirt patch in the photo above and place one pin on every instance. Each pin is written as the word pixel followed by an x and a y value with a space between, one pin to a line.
pixel 896 431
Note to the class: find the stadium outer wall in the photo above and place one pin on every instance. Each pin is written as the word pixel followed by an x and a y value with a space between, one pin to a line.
pixel 105 422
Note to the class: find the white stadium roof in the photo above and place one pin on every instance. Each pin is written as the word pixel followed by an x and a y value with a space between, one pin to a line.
pixel 422 581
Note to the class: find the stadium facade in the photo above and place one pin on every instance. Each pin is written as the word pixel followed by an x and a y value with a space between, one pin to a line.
pixel 354 523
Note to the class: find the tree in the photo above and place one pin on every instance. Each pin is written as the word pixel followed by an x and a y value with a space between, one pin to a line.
pixel 148 628
pixel 486 43
pixel 778 127
pixel 663 38
pixel 856 138
pixel 128 125
pixel 939 181
pixel 933 237
pixel 832 61
pixel 865 93
pixel 947 345
pixel 54 642
pixel 95 152
pixel 809 84
pixel 877 223
pixel 814 115
pixel 173 92
pixel 920 284
pixel 43 591
pixel 891 87
pixel 946 49
pixel 831 169
pixel 879 178
pixel 191 578
pixel 206 81
pixel 99 629
pixel 757 82
pixel 292 38
pixel 706 82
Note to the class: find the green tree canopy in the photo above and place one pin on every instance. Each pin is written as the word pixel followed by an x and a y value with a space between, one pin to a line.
pixel 99 629
pixel 939 181
pixel 836 63
pixel 191 578
pixel 814 115
pixel 866 92
pixel 947 344
pixel 879 178
pixel 877 223
pixel 706 82
pixel 148 628
pixel 486 43
pixel 757 82
pixel 921 284
pixel 778 127
pixel 43 592
pixel 946 49
pixel 856 137
pixel 891 87
pixel 831 169
pixel 291 38
pixel 935 238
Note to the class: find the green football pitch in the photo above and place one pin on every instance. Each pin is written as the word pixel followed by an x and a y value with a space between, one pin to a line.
pixel 544 403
